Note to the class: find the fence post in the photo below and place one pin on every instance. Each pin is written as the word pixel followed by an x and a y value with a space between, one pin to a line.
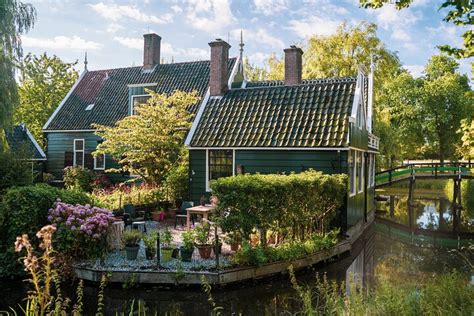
pixel 158 249
pixel 216 249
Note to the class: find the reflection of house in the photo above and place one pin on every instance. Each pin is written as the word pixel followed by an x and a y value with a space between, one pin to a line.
pixel 106 96
pixel 22 143
pixel 286 126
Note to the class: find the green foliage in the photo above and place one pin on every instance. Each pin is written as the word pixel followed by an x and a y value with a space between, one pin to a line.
pixel 150 240
pixel 291 250
pixel 13 170
pixel 176 185
pixel 459 13
pixel 24 210
pixel 78 178
pixel 131 237
pixel 188 239
pixel 466 147
pixel 44 82
pixel 288 204
pixel 201 233
pixel 166 237
pixel 128 141
pixel 16 18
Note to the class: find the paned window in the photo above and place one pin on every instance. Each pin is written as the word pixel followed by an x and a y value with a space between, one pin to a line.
pixel 220 164
pixel 360 171
pixel 139 99
pixel 78 149
pixel 352 171
pixel 99 162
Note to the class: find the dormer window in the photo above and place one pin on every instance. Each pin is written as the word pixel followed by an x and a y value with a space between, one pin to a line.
pixel 138 100
pixel 90 107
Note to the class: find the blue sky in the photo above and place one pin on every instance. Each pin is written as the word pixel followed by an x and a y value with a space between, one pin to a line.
pixel 112 31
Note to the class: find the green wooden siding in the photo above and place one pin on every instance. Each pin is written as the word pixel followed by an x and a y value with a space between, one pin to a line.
pixel 197 174
pixel 358 138
pixel 59 143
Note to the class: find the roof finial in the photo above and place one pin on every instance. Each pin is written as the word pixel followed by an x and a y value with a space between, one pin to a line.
pixel 172 59
pixel 241 42
pixel 85 61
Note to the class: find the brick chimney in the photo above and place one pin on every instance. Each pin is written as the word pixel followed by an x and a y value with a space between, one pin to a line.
pixel 151 52
pixel 219 58
pixel 293 65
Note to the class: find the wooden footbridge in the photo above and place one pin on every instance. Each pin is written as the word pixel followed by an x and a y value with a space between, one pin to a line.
pixel 429 170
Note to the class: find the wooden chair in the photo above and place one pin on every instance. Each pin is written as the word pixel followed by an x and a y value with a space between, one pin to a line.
pixel 131 215
pixel 182 215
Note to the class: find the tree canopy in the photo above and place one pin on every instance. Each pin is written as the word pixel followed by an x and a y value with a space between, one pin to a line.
pixel 151 142
pixel 44 82
pixel 16 18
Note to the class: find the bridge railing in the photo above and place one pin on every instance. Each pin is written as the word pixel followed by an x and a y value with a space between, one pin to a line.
pixel 432 168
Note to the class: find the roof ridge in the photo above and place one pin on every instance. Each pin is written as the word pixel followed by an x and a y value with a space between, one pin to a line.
pixel 312 82
pixel 136 67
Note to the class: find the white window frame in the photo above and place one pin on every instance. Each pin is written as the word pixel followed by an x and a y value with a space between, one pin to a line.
pixel 75 151
pixel 95 163
pixel 360 183
pixel 371 170
pixel 353 181
pixel 132 103
pixel 208 189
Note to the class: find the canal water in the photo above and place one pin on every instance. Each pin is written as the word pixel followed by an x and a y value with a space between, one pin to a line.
pixel 276 296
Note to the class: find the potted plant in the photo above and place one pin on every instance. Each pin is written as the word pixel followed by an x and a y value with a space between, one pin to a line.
pixel 131 239
pixel 166 248
pixel 234 240
pixel 187 248
pixel 157 216
pixel 202 240
pixel 150 244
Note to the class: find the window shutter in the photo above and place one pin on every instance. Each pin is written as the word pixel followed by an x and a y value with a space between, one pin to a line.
pixel 88 161
pixel 68 157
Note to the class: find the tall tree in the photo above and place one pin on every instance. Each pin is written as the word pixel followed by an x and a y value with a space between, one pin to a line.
pixel 446 99
pixel 16 18
pixel 460 12
pixel 466 147
pixel 44 82
pixel 150 143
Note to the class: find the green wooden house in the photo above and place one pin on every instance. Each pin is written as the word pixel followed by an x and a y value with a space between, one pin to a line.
pixel 288 126
pixel 106 96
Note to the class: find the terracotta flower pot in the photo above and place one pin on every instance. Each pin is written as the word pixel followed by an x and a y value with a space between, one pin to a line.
pixel 157 216
pixel 234 246
pixel 204 251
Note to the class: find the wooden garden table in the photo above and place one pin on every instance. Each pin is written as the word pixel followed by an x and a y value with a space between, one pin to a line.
pixel 201 210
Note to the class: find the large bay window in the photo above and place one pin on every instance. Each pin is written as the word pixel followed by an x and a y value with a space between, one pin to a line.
pixel 78 150
pixel 220 163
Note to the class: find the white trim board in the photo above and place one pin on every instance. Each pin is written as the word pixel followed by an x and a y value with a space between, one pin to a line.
pixel 196 120
pixel 274 148
pixel 138 85
pixel 70 131
pixel 45 126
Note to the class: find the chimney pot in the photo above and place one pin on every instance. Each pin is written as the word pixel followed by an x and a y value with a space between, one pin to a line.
pixel 151 52
pixel 218 73
pixel 293 65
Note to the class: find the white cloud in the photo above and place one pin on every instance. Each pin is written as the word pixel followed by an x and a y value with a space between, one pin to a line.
pixel 258 58
pixel 446 34
pixel 415 70
pixel 314 25
pixel 61 42
pixel 270 7
pixel 176 9
pixel 388 17
pixel 166 48
pixel 114 27
pixel 210 15
pixel 259 36
pixel 114 12
pixel 401 35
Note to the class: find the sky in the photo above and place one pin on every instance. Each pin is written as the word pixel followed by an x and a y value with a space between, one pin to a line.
pixel 112 31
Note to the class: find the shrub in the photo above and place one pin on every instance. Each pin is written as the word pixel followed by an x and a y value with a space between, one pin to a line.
pixel 78 178
pixel 176 185
pixel 118 196
pixel 150 240
pixel 24 210
pixel 81 229
pixel 131 237
pixel 13 170
pixel 291 205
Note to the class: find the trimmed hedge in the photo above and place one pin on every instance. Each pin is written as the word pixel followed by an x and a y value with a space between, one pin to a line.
pixel 24 210
pixel 292 205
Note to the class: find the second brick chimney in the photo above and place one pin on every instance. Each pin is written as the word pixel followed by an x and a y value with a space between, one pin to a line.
pixel 151 52
pixel 219 73
pixel 293 65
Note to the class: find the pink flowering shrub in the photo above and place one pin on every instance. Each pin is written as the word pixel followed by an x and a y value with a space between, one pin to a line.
pixel 81 229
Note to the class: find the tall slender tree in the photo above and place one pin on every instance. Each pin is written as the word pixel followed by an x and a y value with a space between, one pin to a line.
pixel 16 18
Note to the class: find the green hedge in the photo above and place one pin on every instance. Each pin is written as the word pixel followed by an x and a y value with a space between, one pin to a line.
pixel 24 210
pixel 291 205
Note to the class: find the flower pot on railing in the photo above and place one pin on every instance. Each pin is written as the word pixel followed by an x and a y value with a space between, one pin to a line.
pixel 204 251
pixel 186 253
pixel 150 253
pixel 166 254
pixel 132 251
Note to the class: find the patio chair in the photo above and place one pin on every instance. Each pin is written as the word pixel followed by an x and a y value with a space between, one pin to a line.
pixel 131 215
pixel 182 215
